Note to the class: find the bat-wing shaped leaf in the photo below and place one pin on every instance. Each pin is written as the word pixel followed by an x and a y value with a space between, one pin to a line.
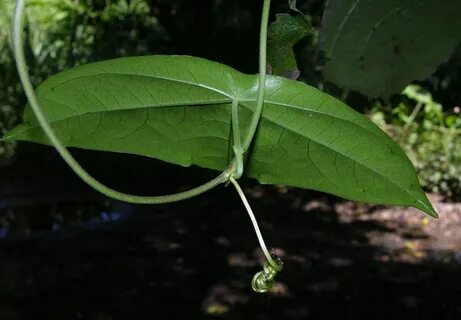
pixel 178 109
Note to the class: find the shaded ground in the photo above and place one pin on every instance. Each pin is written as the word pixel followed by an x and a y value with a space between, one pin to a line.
pixel 195 259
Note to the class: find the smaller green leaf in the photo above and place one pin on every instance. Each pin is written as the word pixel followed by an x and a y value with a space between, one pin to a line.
pixel 284 33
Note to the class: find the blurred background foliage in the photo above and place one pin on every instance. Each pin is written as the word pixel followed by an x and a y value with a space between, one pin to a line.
pixel 425 118
pixel 429 135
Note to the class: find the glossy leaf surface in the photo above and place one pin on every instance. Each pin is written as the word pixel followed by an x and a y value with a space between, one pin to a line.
pixel 178 109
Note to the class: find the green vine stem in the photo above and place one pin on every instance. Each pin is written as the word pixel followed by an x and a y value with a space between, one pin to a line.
pixel 262 76
pixel 64 152
pixel 236 166
pixel 240 150
pixel 263 280
pixel 85 176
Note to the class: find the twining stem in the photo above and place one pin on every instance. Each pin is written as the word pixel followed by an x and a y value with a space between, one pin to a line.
pixel 262 244
pixel 240 150
pixel 262 76
pixel 65 154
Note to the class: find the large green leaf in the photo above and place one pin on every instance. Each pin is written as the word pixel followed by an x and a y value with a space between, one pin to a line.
pixel 378 47
pixel 178 109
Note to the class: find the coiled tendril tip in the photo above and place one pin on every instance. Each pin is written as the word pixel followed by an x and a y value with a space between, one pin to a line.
pixel 264 280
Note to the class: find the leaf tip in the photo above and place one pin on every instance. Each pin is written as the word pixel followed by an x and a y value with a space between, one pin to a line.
pixel 426 206
pixel 12 134
pixel 7 137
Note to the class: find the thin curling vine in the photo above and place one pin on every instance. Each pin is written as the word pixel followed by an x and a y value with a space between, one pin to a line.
pixel 232 172
pixel 263 280
pixel 64 152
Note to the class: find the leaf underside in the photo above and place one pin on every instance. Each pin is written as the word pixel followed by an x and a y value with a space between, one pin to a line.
pixel 378 47
pixel 178 109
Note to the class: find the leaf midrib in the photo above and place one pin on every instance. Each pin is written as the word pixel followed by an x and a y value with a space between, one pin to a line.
pixel 150 77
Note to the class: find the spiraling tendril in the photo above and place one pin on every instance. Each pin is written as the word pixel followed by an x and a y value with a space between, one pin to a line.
pixel 264 280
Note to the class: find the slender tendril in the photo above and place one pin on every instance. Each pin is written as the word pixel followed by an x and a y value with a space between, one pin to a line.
pixel 64 152
pixel 263 280
pixel 262 244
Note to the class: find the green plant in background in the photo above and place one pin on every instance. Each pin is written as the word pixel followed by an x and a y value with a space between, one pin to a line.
pixel 378 47
pixel 430 137
pixel 191 111
pixel 7 92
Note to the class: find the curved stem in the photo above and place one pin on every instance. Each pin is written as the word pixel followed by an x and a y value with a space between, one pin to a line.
pixel 262 76
pixel 65 154
pixel 262 244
